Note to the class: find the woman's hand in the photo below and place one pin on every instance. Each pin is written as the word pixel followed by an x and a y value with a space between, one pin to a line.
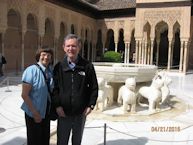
pixel 37 117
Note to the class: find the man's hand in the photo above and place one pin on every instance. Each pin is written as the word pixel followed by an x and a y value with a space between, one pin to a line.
pixel 87 111
pixel 60 111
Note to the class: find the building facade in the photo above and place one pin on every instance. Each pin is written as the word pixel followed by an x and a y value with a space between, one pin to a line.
pixel 145 31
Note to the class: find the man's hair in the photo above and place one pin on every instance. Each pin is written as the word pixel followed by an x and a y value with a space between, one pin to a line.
pixel 73 36
pixel 47 50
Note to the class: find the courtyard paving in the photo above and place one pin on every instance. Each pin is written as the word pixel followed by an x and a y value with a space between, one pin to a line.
pixel 173 127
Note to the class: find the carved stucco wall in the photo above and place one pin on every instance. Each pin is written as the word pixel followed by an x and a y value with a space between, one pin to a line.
pixel 127 24
pixel 167 15
pixel 42 10
pixel 170 17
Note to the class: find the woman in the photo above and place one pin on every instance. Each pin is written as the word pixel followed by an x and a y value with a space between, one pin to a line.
pixel 37 80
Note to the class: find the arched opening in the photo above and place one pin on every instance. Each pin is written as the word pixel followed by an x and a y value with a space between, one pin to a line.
pixel 110 42
pixel 86 45
pixel 146 51
pixel 72 29
pixel 13 37
pixel 82 40
pixel 160 53
pixel 30 40
pixel 48 39
pixel 176 46
pixel 99 46
pixel 91 52
pixel 132 47
pixel 121 44
pixel 60 51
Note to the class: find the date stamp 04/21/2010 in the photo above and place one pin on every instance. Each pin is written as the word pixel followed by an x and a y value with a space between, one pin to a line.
pixel 165 129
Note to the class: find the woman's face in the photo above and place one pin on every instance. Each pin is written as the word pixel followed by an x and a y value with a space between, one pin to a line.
pixel 45 58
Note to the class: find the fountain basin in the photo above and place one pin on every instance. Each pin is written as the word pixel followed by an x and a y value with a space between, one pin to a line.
pixel 119 72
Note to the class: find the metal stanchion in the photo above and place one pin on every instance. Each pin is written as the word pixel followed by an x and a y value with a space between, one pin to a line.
pixel 105 133
pixel 8 90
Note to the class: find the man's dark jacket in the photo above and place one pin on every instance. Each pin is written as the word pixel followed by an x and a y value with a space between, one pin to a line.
pixel 75 89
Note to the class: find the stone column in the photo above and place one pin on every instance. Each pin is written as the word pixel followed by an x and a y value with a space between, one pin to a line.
pixel 127 50
pixel 181 56
pixel 140 52
pixel 157 55
pixel 22 50
pixel 148 53
pixel 172 53
pixel 145 55
pixel 185 56
pixel 3 43
pixel 136 51
pixel 3 47
pixel 116 44
pixel 55 49
pixel 40 41
pixel 93 51
pixel 169 54
pixel 125 56
pixel 88 54
pixel 103 41
pixel 151 55
pixel 82 46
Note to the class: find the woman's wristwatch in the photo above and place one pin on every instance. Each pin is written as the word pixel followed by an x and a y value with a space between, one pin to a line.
pixel 92 107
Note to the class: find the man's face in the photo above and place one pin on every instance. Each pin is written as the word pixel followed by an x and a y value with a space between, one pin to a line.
pixel 45 58
pixel 71 48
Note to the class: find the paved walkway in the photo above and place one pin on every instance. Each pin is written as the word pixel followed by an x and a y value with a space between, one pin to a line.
pixel 172 128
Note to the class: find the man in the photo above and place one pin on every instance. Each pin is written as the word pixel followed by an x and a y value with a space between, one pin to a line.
pixel 75 92
pixel 2 62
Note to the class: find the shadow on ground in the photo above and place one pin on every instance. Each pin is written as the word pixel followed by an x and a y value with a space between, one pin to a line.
pixel 16 141
pixel 138 141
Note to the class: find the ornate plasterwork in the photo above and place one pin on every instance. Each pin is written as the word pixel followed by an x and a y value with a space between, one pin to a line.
pixel 121 24
pixel 32 7
pixel 110 24
pixel 3 19
pixel 63 17
pixel 169 16
pixel 50 12
pixel 15 4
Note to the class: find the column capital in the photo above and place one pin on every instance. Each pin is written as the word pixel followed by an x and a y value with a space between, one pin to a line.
pixel 170 39
pixel 3 30
pixel 127 42
pixel 184 39
pixel 138 38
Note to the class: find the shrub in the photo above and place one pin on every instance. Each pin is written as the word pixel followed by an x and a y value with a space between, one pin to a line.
pixel 112 56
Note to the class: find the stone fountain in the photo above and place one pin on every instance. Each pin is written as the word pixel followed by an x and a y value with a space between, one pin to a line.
pixel 116 73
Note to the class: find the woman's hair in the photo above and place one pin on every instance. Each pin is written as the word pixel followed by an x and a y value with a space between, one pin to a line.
pixel 47 50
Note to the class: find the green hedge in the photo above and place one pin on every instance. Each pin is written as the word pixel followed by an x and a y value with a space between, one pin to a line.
pixel 112 56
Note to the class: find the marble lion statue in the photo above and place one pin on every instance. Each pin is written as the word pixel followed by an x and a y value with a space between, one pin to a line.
pixel 105 94
pixel 157 93
pixel 127 95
